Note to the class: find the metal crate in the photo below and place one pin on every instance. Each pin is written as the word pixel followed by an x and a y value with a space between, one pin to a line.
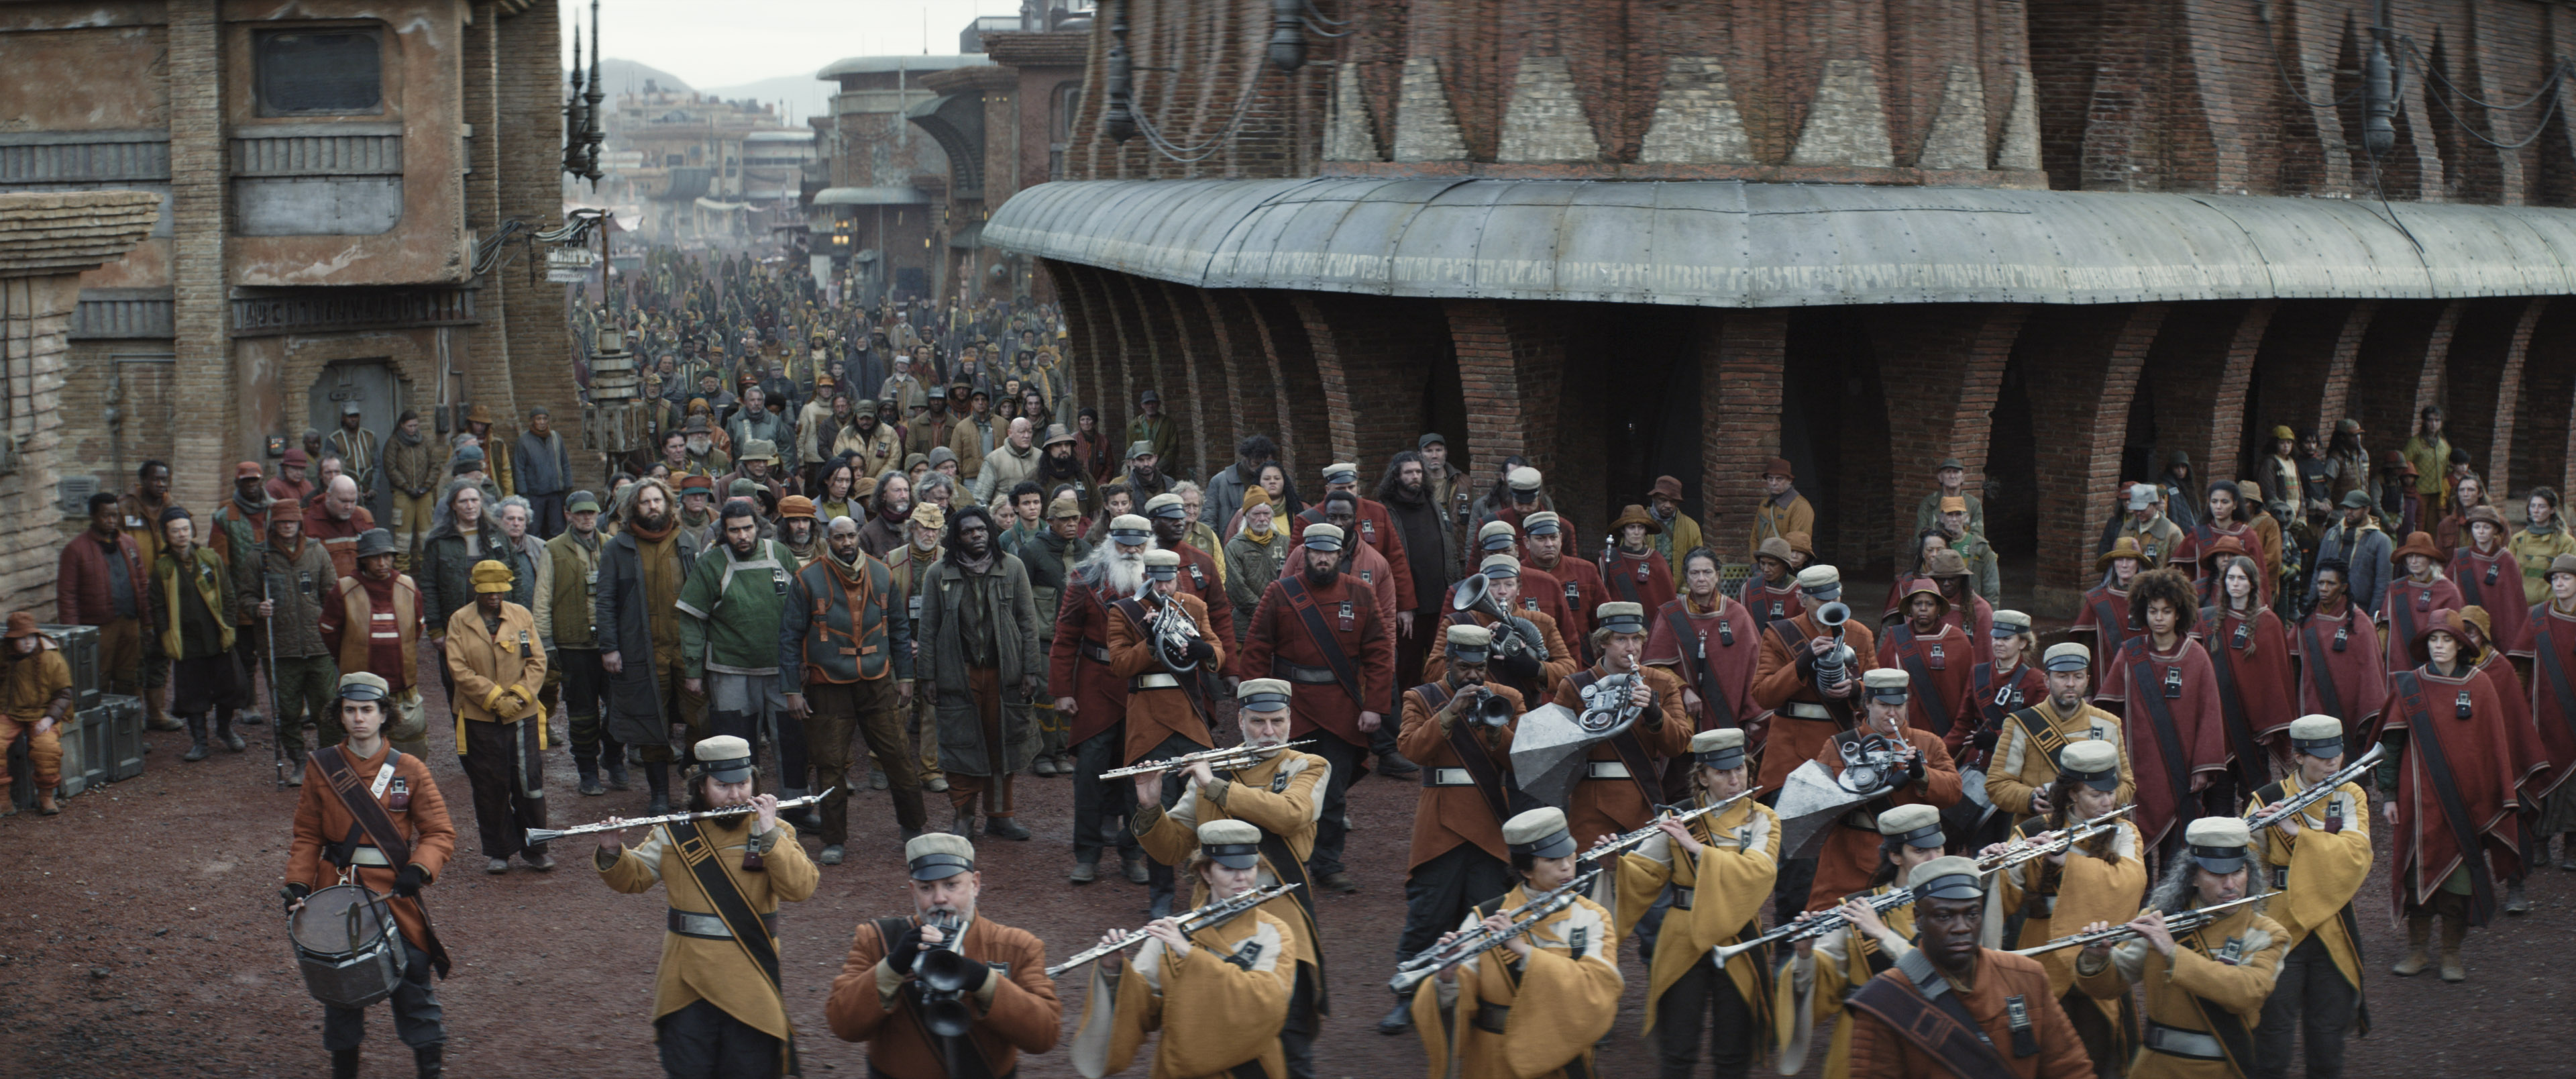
pixel 124 722
pixel 85 752
pixel 80 650
pixel 22 776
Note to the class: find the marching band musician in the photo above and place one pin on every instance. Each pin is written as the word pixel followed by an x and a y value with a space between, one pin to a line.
pixel 1903 1029
pixel 1804 712
pixel 2103 879
pixel 1536 1005
pixel 1321 633
pixel 2317 859
pixel 2024 765
pixel 1165 717
pixel 1219 995
pixel 1724 869
pixel 2205 988
pixel 1467 793
pixel 877 996
pixel 1528 674
pixel 1828 968
pixel 1849 856
pixel 1280 799
pixel 718 1009
pixel 1623 779
pixel 352 789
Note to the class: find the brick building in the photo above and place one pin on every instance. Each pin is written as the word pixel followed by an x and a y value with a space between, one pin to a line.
pixel 328 172
pixel 889 180
pixel 1004 127
pixel 2057 240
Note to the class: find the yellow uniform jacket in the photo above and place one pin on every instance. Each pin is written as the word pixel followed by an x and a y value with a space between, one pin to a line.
pixel 1282 796
pixel 2226 968
pixel 1502 1021
pixel 1842 962
pixel 718 971
pixel 1717 899
pixel 1218 1005
pixel 2319 872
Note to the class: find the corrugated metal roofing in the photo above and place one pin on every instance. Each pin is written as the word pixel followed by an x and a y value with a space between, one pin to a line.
pixel 1737 244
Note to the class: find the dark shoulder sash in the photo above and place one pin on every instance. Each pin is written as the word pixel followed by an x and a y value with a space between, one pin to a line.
pixel 2554 670
pixel 1939 1026
pixel 2044 735
pixel 2250 762
pixel 2234 1038
pixel 749 932
pixel 2423 729
pixel 1935 710
pixel 1344 671
pixel 370 815
pixel 1721 712
pixel 2145 689
pixel 2320 673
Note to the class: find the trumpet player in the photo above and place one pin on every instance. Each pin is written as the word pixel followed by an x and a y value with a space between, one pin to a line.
pixel 718 1006
pixel 1996 1019
pixel 1922 773
pixel 1218 996
pixel 1158 642
pixel 1806 707
pixel 1535 1006
pixel 2205 987
pixel 1458 856
pixel 1826 969
pixel 1623 774
pixel 1719 868
pixel 1528 654
pixel 2317 859
pixel 1011 1007
pixel 1279 798
pixel 1092 697
pixel 2102 879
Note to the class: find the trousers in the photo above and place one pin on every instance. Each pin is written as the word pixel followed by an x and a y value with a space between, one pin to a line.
pixel 1439 893
pixel 415 1005
pixel 1334 826
pixel 307 689
pixel 1102 807
pixel 44 752
pixel 920 725
pixel 2310 995
pixel 508 776
pixel 1159 877
pixel 867 709
pixel 545 514
pixel 751 707
pixel 678 706
pixel 703 1041
pixel 1297 1035
pixel 584 700
pixel 411 515
pixel 1703 998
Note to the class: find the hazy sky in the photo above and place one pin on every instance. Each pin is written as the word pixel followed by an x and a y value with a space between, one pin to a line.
pixel 740 41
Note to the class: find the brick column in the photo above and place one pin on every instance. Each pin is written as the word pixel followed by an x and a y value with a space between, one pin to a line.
pixel 2482 382
pixel 1942 368
pixel 533 362
pixel 1304 438
pixel 2202 363
pixel 200 219
pixel 1511 371
pixel 2398 368
pixel 1212 413
pixel 2083 365
pixel 1374 357
pixel 1742 357
pixel 1236 333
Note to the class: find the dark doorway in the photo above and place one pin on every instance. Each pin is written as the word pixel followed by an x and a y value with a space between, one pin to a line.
pixel 372 385
pixel 2138 450
pixel 1833 431
pixel 2012 473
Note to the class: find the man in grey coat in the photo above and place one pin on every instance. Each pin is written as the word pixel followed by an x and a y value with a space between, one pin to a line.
pixel 543 472
pixel 2357 541
pixel 635 610
pixel 979 630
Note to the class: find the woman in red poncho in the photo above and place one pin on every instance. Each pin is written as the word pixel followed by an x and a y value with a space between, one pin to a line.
pixel 2419 593
pixel 2488 575
pixel 2341 673
pixel 2163 685
pixel 2449 792
pixel 2256 686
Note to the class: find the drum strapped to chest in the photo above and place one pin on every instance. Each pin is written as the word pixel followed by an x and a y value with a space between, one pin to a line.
pixel 348 946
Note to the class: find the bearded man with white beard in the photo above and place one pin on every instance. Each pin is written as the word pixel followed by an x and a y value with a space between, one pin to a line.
pixel 1093 700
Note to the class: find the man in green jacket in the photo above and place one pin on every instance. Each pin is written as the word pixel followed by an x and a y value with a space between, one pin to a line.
pixel 730 610
pixel 567 579
pixel 194 593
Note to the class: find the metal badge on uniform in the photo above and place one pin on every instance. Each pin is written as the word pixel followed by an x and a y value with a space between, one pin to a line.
pixel 1366 576
pixel 132 521
pixel 2492 567
pixel 913 601
pixel 399 798
pixel 591 578
pixel 2343 636
pixel 1528 603
pixel 2150 552
pixel 1576 938
pixel 2173 683
pixel 1573 597
pixel 1725 635
pixel 2025 1041
pixel 2462 705
pixel 1199 577
pixel 1778 609
pixel 1936 661
pixel 2244 630
pixel 2424 600
pixel 2233 953
pixel 1347 624
pixel 778 579
pixel 1368 532
pixel 1641 571
pixel 1246 955
pixel 2005 696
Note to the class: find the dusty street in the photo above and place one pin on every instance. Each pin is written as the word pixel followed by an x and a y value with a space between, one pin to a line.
pixel 142 937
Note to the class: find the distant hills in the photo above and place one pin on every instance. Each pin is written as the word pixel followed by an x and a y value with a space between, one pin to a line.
pixel 803 94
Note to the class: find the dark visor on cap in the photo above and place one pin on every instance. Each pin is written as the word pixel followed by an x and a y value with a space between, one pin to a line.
pixel 940 866
pixel 1557 845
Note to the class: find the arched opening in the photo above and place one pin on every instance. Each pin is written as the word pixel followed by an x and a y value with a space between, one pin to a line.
pixel 2012 482
pixel 2541 425
pixel 2138 459
pixel 1830 395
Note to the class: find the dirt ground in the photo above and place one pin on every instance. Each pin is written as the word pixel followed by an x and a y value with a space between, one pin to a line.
pixel 140 935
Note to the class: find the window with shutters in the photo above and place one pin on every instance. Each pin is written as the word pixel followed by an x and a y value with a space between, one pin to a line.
pixel 320 72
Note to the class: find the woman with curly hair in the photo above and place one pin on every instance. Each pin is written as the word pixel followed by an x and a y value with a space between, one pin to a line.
pixel 2163 684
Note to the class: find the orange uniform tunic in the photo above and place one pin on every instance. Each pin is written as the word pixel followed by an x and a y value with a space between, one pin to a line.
pixel 321 820
pixel 1155 712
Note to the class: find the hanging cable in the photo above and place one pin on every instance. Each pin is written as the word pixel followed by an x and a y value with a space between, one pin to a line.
pixel 2434 73
pixel 1316 14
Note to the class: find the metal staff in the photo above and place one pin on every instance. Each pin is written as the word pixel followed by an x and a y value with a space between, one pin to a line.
pixel 1216 913
pixel 268 659
pixel 549 835
pixel 1227 757
pixel 2292 805
pixel 2176 924
pixel 1479 940
pixel 1609 845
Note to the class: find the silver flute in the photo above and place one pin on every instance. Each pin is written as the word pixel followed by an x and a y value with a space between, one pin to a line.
pixel 1215 913
pixel 1242 756
pixel 549 835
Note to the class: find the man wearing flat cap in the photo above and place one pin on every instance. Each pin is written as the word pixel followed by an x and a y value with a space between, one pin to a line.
pixel 1903 1029
pixel 1950 480
pixel 1144 474
pixel 1539 1004
pixel 1274 805
pixel 2103 877
pixel 2318 858
pixel 383 608
pixel 1917 770
pixel 1517 493
pixel 1825 970
pixel 1153 430
pixel 878 996
pixel 1321 632
pixel 1622 780
pixel 1372 525
pixel 2023 765
pixel 1576 583
pixel 1530 655
pixel 498 664
pixel 718 1003
pixel 566 602
pixel 1090 698
pixel 2205 988
pixel 1804 706
pixel 1199 574
pixel 1167 708
pixel 288 580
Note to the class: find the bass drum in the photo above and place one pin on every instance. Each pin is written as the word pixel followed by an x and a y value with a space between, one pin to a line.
pixel 347 945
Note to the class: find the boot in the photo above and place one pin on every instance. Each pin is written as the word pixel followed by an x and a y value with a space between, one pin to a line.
pixel 616 765
pixel 295 753
pixel 2514 901
pixel 197 741
pixel 156 711
pixel 224 733
pixel 2454 929
pixel 589 769
pixel 657 776
pixel 344 1064
pixel 2419 931
pixel 1005 828
pixel 426 1059
pixel 45 805
pixel 1397 1021
pixel 963 823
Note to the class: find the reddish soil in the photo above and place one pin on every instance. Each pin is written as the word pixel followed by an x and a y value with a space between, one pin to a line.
pixel 128 950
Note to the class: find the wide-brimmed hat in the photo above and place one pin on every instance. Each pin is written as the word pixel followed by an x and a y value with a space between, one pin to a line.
pixel 22 624
pixel 2124 547
pixel 2455 624
pixel 1666 487
pixel 1923 586
pixel 2416 543
pixel 1633 514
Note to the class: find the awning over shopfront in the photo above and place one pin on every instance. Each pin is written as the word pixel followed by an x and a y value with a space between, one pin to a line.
pixel 1739 244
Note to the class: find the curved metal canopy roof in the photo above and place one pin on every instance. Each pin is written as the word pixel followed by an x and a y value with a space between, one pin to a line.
pixel 1730 243
pixel 871 196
